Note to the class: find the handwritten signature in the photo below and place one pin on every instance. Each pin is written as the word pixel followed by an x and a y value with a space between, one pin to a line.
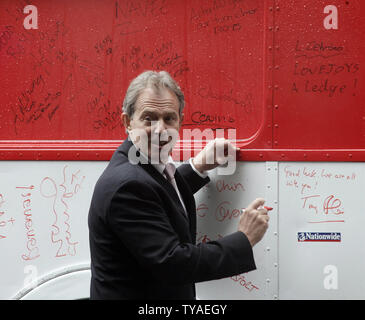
pixel 331 206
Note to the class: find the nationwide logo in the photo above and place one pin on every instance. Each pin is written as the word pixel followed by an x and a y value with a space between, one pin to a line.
pixel 319 236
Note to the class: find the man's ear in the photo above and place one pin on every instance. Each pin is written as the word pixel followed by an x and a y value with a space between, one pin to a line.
pixel 126 121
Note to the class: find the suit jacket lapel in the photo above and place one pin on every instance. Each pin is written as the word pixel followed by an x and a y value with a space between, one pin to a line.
pixel 127 146
pixel 167 185
pixel 188 201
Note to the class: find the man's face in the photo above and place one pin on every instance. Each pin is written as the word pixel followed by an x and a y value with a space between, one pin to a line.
pixel 155 123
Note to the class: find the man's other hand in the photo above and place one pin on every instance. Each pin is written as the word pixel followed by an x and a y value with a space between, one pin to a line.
pixel 216 152
pixel 254 221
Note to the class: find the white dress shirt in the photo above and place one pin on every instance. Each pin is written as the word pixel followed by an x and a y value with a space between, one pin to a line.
pixel 160 167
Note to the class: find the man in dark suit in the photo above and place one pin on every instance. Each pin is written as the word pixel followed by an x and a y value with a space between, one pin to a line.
pixel 142 218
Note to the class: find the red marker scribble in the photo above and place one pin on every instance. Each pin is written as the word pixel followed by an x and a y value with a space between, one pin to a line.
pixel 203 239
pixel 61 233
pixel 31 245
pixel 48 189
pixel 223 212
pixel 332 205
pixel 5 222
pixel 202 210
pixel 241 279
pixel 221 185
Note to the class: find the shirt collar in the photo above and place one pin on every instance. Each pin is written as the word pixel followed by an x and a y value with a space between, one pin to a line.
pixel 160 167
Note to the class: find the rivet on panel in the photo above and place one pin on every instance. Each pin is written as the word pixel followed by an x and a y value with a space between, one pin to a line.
pixel 276 125
pixel 268 280
pixel 350 155
pixel 276 107
pixel 270 28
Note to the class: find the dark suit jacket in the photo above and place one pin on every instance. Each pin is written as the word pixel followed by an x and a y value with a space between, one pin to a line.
pixel 143 245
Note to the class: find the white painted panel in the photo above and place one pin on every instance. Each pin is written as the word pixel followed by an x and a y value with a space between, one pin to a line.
pixel 321 198
pixel 43 225
pixel 218 209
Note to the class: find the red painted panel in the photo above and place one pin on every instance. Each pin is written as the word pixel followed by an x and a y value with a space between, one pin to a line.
pixel 66 80
pixel 269 69
pixel 320 76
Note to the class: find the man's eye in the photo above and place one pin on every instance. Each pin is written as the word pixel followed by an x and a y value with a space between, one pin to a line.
pixel 147 118
pixel 169 118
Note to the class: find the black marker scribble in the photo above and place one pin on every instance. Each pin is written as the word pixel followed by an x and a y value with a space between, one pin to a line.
pixel 318 55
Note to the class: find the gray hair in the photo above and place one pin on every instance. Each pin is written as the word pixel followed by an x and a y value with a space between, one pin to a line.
pixel 154 80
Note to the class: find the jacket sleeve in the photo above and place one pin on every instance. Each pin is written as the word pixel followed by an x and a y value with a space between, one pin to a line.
pixel 142 225
pixel 195 181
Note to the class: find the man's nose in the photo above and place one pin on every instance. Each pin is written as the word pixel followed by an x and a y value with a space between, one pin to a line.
pixel 159 127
